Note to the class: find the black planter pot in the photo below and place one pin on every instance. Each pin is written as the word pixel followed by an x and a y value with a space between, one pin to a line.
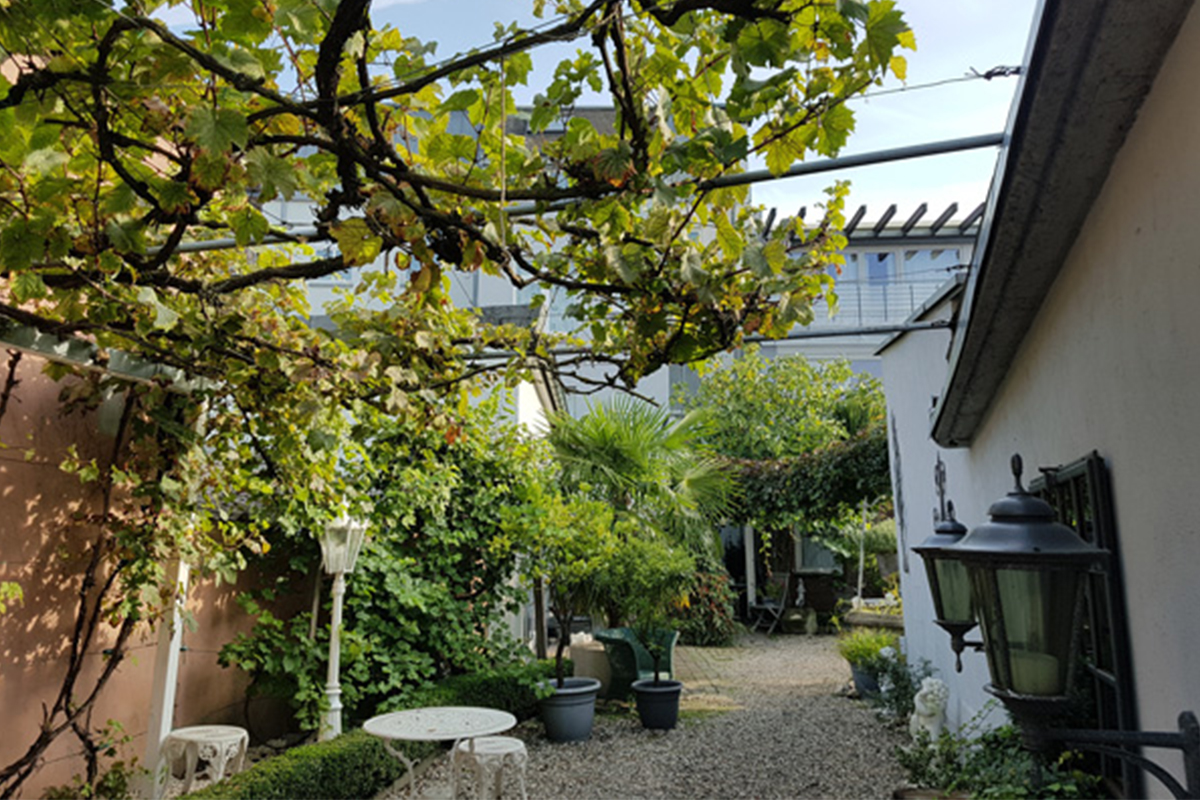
pixel 569 712
pixel 864 682
pixel 658 703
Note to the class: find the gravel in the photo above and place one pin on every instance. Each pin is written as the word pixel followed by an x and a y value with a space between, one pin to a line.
pixel 766 719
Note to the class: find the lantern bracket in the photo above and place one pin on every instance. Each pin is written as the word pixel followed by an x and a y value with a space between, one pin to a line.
pixel 958 642
pixel 1116 743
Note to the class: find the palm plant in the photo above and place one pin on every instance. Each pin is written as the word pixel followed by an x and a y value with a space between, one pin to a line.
pixel 633 457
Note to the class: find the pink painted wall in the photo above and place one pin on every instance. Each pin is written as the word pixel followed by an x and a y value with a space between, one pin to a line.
pixel 41 548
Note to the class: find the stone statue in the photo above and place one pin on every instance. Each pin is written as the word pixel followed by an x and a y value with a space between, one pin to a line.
pixel 929 708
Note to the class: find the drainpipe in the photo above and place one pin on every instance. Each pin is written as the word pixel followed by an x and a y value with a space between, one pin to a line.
pixel 165 682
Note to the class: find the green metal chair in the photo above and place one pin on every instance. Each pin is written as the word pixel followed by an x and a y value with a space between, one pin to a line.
pixel 629 661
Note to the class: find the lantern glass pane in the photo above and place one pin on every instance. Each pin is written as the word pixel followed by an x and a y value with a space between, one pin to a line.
pixel 340 544
pixel 955 589
pixel 1036 614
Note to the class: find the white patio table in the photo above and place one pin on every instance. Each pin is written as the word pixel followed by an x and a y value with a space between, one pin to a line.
pixel 438 724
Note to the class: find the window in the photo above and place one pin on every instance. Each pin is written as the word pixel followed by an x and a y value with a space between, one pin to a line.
pixel 1082 499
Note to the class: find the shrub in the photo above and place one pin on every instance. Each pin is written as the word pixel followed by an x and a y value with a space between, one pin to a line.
pixel 351 766
pixel 862 645
pixel 511 688
pixel 991 764
pixel 707 619
pixel 425 586
pixel 899 683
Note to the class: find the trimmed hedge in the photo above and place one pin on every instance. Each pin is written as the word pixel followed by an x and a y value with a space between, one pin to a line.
pixel 356 765
pixel 352 766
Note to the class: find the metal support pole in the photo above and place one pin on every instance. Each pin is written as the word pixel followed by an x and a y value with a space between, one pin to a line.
pixel 333 688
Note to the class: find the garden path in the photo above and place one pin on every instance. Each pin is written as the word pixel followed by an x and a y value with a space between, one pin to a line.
pixel 764 719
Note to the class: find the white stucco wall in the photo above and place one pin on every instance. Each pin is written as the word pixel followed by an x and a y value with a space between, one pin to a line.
pixel 1112 363
pixel 914 371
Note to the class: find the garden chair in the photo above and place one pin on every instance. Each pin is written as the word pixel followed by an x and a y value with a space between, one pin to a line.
pixel 768 612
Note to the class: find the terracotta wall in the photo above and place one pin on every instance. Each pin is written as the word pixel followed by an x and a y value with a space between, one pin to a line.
pixel 41 548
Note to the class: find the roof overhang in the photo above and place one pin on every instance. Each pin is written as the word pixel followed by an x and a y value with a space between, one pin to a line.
pixel 1090 65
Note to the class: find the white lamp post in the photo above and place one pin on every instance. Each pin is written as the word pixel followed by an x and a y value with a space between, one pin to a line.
pixel 340 544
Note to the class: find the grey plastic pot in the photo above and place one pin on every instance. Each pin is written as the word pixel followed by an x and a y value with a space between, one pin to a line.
pixel 864 682
pixel 569 712
pixel 658 703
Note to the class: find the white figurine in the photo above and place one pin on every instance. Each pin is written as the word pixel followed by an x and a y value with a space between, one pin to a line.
pixel 929 708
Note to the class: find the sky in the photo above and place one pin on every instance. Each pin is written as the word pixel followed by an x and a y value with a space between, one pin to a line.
pixel 953 37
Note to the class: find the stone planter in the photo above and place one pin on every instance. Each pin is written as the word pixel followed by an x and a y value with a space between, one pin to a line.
pixel 591 661
pixel 569 712
pixel 658 703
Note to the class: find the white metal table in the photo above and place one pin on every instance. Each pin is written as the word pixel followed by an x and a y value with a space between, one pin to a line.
pixel 438 724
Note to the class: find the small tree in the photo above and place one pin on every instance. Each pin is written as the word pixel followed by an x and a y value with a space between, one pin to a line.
pixel 655 577
pixel 565 543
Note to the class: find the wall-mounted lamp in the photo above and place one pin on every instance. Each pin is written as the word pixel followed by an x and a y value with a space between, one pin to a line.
pixel 1026 574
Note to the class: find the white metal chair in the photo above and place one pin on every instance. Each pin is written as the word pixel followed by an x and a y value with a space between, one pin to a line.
pixel 489 755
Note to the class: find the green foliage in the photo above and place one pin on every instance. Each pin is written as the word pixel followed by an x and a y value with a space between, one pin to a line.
pixel 110 181
pixel 352 766
pixel 563 543
pixel 861 647
pixel 282 661
pixel 427 584
pixel 806 440
pixel 991 764
pixel 514 687
pixel 648 577
pixel 770 408
pixel 706 620
pixel 633 457
pixel 819 490
pixel 899 682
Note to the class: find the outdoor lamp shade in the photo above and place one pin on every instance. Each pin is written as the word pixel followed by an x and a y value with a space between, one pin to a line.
pixel 953 600
pixel 1027 574
pixel 1028 621
pixel 948 582
pixel 340 544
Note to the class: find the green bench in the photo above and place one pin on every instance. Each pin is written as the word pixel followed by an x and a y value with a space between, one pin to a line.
pixel 630 662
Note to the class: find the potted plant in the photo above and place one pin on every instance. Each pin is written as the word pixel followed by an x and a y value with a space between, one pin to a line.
pixel 564 543
pixel 861 648
pixel 656 576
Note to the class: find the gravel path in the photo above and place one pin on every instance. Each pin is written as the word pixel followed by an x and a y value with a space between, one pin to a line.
pixel 766 720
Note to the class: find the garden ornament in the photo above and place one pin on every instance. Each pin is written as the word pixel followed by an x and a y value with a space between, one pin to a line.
pixel 929 709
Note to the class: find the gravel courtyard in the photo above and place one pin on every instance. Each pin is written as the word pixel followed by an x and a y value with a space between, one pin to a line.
pixel 767 721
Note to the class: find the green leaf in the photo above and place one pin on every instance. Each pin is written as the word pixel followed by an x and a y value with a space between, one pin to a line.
pixel 356 241
pixel 164 317
pixel 460 101
pixel 28 286
pixel 218 130
pixel 884 28
pixel 249 225
pixel 275 176
pixel 20 244
pixel 764 43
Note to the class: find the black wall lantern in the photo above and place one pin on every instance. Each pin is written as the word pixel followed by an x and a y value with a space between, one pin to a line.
pixel 1027 575
pixel 948 581
pixel 1027 578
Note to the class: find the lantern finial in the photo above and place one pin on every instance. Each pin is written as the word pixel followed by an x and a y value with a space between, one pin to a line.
pixel 1017 467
